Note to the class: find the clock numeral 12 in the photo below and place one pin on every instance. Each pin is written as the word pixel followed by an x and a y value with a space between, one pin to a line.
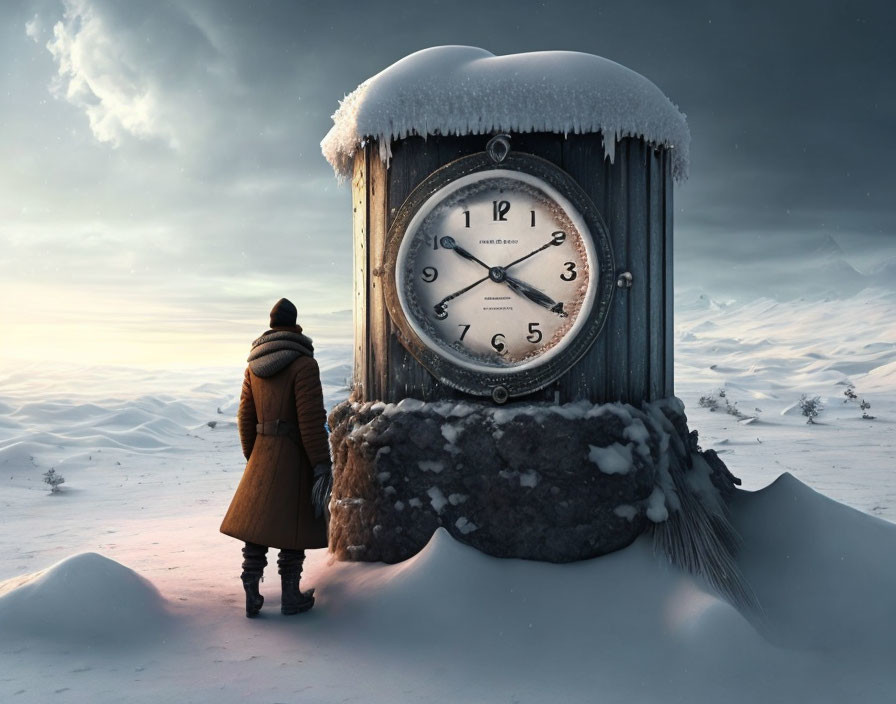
pixel 500 209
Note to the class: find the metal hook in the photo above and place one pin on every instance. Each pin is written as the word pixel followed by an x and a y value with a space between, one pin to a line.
pixel 498 147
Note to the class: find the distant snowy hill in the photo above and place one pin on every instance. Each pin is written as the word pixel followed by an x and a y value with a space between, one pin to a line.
pixel 817 268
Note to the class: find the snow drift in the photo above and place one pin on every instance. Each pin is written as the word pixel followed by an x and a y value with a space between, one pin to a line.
pixel 84 598
pixel 823 572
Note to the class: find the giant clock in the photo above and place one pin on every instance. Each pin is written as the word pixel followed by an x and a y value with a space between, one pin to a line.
pixel 498 273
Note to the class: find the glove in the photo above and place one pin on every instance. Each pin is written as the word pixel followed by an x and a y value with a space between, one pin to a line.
pixel 323 487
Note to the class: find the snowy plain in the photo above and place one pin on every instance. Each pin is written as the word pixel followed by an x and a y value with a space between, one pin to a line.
pixel 120 588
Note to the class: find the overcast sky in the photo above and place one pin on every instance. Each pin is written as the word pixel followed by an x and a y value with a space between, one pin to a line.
pixel 162 183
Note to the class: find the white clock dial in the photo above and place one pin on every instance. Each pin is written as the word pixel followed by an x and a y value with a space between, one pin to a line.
pixel 496 271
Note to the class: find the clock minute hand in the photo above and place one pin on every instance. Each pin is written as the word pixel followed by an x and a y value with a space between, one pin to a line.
pixel 450 243
pixel 557 238
pixel 536 296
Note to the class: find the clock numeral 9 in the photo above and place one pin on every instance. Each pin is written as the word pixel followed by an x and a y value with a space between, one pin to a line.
pixel 500 209
pixel 430 274
pixel 498 343
pixel 534 335
pixel 571 269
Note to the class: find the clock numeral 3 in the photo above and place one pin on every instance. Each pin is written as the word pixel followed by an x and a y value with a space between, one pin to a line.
pixel 500 209
pixel 464 331
pixel 498 343
pixel 571 269
pixel 534 335
pixel 430 274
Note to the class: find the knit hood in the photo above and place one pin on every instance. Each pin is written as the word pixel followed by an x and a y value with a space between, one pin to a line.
pixel 277 348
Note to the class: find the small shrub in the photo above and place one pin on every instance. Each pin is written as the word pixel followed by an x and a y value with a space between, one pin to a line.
pixel 811 407
pixel 851 395
pixel 53 479
pixel 713 403
pixel 710 402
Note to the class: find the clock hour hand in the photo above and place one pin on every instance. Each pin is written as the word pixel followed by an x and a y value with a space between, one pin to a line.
pixel 441 308
pixel 450 243
pixel 536 296
pixel 557 238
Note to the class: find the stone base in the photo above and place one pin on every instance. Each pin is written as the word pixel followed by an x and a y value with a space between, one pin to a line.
pixel 555 483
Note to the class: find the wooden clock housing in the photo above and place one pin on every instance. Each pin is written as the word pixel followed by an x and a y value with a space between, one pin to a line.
pixel 631 359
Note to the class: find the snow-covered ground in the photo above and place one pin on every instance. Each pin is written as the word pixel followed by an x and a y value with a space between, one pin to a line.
pixel 120 588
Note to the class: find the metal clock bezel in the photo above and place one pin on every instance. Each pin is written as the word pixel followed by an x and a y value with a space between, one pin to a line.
pixel 512 384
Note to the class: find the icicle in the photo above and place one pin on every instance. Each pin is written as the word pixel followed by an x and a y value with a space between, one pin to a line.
pixel 385 149
pixel 609 144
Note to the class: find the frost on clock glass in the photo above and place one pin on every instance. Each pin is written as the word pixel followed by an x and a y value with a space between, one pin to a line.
pixel 495 271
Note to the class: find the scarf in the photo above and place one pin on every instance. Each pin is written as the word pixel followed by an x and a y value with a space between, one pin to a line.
pixel 277 349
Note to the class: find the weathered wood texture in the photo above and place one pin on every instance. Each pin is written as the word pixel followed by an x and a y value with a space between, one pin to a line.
pixel 631 360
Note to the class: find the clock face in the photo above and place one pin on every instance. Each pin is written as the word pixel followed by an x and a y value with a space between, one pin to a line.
pixel 495 271
pixel 498 276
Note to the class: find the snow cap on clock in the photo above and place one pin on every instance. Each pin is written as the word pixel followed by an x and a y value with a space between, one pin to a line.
pixel 461 90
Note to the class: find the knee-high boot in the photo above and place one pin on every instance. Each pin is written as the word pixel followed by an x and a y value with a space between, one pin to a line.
pixel 293 600
pixel 254 561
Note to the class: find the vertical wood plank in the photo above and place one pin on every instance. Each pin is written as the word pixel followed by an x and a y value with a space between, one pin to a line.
pixel 668 321
pixel 413 159
pixel 544 144
pixel 656 303
pixel 638 341
pixel 378 355
pixel 451 148
pixel 583 159
pixel 617 328
pixel 359 238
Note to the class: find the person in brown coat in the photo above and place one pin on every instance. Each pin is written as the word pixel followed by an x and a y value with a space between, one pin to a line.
pixel 281 422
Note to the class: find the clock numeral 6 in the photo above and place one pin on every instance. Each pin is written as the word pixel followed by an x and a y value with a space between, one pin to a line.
pixel 534 335
pixel 571 271
pixel 430 274
pixel 498 343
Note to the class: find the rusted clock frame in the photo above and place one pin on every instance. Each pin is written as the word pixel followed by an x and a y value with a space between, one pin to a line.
pixel 509 384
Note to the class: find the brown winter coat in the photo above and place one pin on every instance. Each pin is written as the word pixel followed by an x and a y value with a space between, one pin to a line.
pixel 272 504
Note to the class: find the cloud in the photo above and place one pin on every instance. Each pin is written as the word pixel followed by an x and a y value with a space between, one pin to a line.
pixel 34 28
pixel 116 64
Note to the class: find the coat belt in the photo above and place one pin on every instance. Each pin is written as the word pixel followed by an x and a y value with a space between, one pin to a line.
pixel 278 427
